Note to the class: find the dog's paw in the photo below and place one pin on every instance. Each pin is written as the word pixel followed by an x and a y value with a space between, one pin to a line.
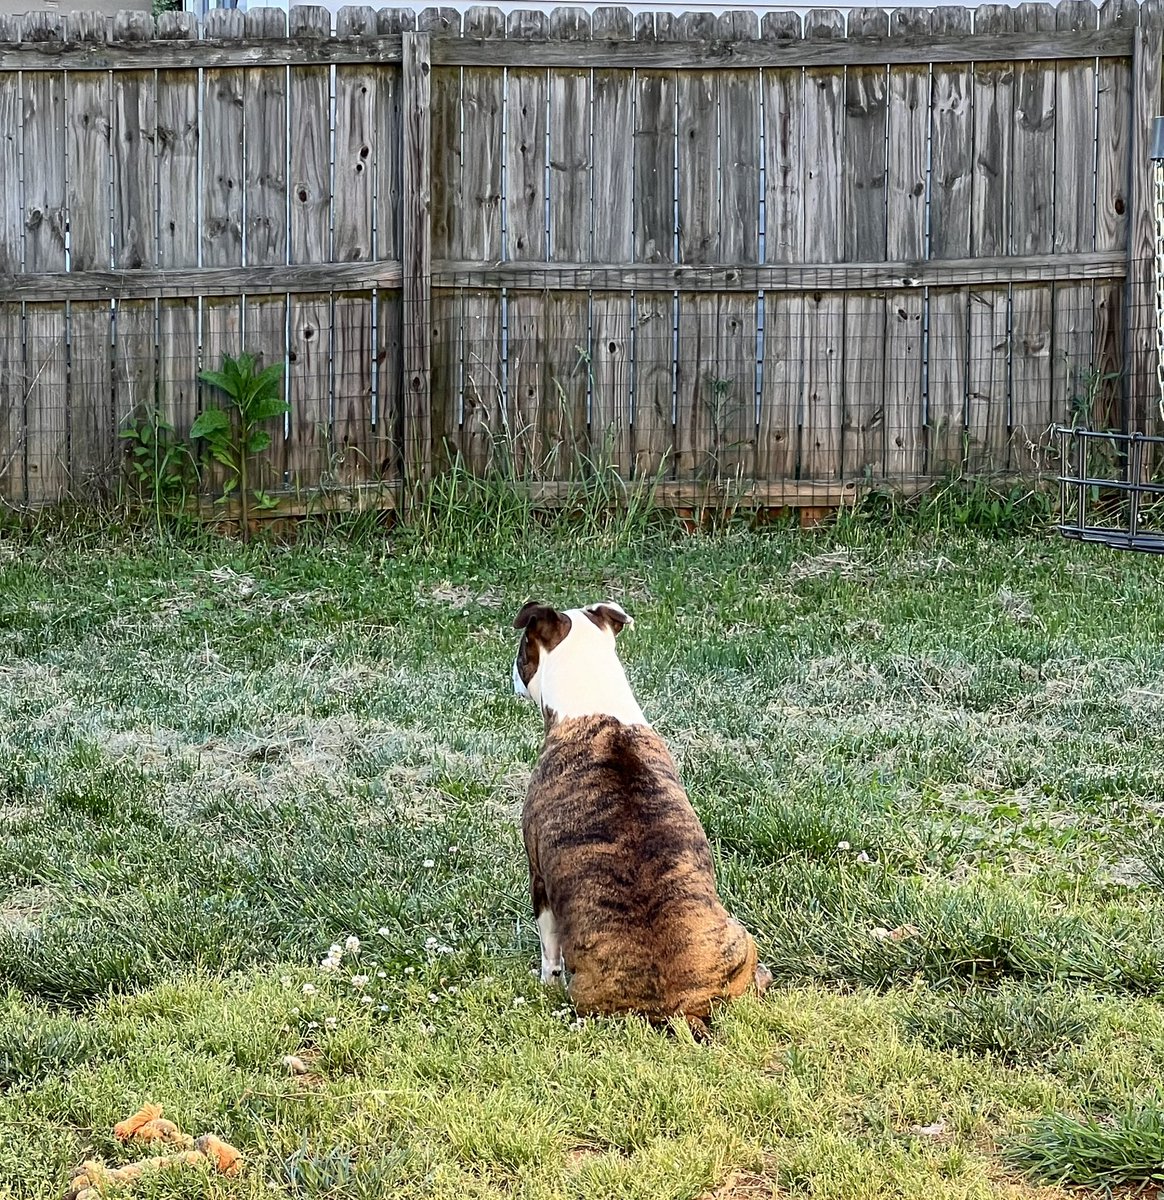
pixel 763 979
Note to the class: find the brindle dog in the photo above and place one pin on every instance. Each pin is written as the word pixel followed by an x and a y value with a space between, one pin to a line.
pixel 621 874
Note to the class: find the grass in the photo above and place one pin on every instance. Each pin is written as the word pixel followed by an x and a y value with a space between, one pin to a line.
pixel 929 762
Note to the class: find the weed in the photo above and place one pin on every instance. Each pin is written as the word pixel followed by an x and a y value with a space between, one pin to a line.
pixel 233 436
pixel 160 467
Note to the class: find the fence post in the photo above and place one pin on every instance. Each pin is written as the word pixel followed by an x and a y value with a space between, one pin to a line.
pixel 1141 304
pixel 416 339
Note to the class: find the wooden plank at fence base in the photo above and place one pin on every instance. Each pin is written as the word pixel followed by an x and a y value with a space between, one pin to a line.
pixel 904 405
pixel 265 336
pixel 134 369
pixel 822 400
pixel 487 433
pixel 778 436
pixel 352 389
pixel 178 363
pixel 388 445
pixel 949 312
pixel 734 409
pixel 653 426
pixel 1030 396
pixel 525 365
pixel 46 415
pixel 563 418
pixel 309 444
pixel 698 389
pixel 863 420
pixel 12 388
pixel 90 399
pixel 610 401
pixel 221 336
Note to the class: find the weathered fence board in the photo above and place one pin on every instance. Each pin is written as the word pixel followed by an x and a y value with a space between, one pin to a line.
pixel 774 253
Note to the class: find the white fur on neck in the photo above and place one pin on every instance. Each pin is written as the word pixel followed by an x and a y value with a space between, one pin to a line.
pixel 582 675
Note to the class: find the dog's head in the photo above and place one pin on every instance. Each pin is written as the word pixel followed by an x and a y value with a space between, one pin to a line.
pixel 567 663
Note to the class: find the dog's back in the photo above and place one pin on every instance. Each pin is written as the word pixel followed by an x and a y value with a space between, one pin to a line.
pixel 624 865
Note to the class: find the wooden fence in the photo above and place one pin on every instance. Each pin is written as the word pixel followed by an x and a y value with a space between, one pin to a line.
pixel 787 257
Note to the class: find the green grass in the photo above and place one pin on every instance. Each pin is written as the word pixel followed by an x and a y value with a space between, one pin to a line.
pixel 930 763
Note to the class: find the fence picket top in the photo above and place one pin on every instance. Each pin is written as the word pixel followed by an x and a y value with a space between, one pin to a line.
pixel 994 18
pixel 1076 15
pixel 227 24
pixel 569 25
pixel 439 20
pixel 614 23
pixel 131 26
pixel 1034 16
pixel 948 21
pixel 44 27
pixel 780 27
pixel 309 21
pixel 824 25
pixel 356 21
pixel 392 22
pixel 88 28
pixel 177 26
pixel 265 23
pixel 738 25
pixel 484 21
pixel 525 23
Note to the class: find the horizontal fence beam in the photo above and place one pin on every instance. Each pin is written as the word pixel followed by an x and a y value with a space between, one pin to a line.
pixel 734 55
pixel 566 277
pixel 781 277
pixel 1112 42
pixel 200 281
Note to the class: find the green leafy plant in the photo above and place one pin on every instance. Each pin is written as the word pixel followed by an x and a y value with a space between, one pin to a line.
pixel 159 466
pixel 234 435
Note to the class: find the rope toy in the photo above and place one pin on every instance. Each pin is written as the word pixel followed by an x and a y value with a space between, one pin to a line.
pixel 148 1125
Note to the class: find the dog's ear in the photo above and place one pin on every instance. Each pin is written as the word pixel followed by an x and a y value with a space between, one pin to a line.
pixel 531 612
pixel 609 615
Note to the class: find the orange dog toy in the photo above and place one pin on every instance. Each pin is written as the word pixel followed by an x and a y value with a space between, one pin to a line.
pixel 148 1125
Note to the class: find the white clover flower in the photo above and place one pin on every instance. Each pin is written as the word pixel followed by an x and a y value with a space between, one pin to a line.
pixel 429 864
pixel 336 951
pixel 453 991
pixel 863 858
pixel 365 999
pixel 576 1026
pixel 330 1022
pixel 285 980
pixel 433 997
pixel 358 981
pixel 409 970
pixel 309 989
pixel 518 1001
pixel 430 943
pixel 445 950
pixel 381 974
pixel 312 1024
pixel 383 931
pixel 329 964
pixel 352 944
pixel 454 849
pixel 843 846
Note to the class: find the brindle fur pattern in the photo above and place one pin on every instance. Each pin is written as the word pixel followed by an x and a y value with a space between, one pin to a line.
pixel 617 854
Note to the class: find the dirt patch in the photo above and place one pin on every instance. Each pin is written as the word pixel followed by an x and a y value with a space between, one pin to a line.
pixel 742 1185
pixel 21 912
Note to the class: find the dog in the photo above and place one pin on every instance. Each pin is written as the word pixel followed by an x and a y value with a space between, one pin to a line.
pixel 621 874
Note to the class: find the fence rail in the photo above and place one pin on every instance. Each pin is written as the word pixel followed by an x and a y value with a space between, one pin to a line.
pixel 776 258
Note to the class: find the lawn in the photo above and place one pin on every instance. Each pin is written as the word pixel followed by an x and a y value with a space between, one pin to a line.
pixel 930 766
